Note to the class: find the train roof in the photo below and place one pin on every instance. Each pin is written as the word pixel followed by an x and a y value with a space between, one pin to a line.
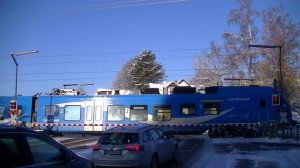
pixel 252 89
pixel 220 90
pixel 231 89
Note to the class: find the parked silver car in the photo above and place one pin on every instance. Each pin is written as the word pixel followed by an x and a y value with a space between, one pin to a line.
pixel 134 146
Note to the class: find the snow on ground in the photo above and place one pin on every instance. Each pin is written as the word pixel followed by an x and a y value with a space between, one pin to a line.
pixel 296 116
pixel 247 140
pixel 270 153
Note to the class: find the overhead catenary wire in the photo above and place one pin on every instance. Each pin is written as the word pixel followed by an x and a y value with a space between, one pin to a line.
pixel 82 72
pixel 170 57
pixel 108 77
pixel 107 58
pixel 71 79
pixel 117 71
pixel 116 5
pixel 122 53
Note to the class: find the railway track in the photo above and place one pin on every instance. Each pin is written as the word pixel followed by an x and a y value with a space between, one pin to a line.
pixel 76 141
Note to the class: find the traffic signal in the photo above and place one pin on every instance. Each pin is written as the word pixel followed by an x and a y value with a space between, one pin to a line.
pixel 13 105
pixel 275 99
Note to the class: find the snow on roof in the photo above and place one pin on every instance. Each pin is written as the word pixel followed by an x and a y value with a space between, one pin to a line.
pixel 183 83
pixel 169 83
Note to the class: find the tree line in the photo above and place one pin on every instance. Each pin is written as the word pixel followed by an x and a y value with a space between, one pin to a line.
pixel 272 61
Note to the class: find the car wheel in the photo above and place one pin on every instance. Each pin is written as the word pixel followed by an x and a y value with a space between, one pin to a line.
pixel 154 162
pixel 175 155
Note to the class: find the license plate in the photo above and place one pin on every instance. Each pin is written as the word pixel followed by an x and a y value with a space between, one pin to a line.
pixel 112 152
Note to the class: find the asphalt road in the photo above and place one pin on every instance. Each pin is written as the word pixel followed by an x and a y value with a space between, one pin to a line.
pixel 77 141
pixel 189 147
pixel 200 151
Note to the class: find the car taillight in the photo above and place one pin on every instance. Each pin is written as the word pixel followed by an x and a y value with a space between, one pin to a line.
pixel 96 147
pixel 134 147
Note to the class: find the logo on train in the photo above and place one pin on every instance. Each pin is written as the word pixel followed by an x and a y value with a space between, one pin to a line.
pixel 238 98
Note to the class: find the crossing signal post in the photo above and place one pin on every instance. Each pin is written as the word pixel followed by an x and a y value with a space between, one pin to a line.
pixel 13 110
pixel 275 99
pixel 13 105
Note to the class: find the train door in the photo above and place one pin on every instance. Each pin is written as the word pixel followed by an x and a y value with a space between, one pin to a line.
pixel 98 118
pixel 263 113
pixel 88 116
pixel 93 117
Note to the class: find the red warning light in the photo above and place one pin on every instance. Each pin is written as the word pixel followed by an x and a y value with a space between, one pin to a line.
pixel 275 99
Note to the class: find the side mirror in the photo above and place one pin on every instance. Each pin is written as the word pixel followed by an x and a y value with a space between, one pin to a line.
pixel 70 157
pixel 67 156
pixel 167 136
pixel 171 135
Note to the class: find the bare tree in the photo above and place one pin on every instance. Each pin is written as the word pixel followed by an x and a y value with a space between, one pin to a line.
pixel 241 61
pixel 237 58
pixel 240 58
pixel 279 30
pixel 209 68
pixel 123 80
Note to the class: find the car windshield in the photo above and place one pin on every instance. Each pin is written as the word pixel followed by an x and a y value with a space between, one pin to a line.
pixel 118 138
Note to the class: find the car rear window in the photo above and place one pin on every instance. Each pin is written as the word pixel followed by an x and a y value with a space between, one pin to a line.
pixel 118 138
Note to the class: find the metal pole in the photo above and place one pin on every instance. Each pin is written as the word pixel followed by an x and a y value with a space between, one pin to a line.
pixel 16 83
pixel 17 65
pixel 16 77
pixel 280 70
pixel 279 60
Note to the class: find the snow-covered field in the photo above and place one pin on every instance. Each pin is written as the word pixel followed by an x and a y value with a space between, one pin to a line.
pixel 296 116
pixel 249 152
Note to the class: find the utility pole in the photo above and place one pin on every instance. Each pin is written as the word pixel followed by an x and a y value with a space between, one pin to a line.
pixel 279 61
pixel 13 55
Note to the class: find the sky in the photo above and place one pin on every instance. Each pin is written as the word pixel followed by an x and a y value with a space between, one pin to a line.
pixel 88 41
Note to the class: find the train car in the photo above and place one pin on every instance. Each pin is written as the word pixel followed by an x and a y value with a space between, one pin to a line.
pixel 67 114
pixel 25 110
pixel 221 110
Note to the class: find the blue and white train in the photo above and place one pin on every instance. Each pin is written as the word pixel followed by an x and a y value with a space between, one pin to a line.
pixel 221 110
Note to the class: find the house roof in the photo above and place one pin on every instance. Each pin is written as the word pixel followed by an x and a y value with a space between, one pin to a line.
pixel 180 83
pixel 183 82
pixel 168 84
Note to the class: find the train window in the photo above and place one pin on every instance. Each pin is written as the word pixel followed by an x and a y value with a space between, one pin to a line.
pixel 72 112
pixel 211 108
pixel 1 112
pixel 188 109
pixel 138 113
pixel 115 113
pixel 98 113
pixel 89 113
pixel 262 103
pixel 52 110
pixel 162 113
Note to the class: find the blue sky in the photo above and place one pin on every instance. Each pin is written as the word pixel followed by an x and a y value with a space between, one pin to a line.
pixel 88 41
